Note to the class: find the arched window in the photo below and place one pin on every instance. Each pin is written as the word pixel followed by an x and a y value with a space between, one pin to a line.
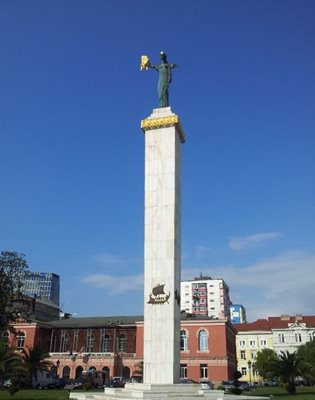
pixel 90 339
pixel 105 344
pixel 203 340
pixel 66 373
pixel 20 340
pixel 121 343
pixel 183 341
pixel 78 372
pixel 105 372
pixel 126 372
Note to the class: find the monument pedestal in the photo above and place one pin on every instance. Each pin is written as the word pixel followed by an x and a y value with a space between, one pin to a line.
pixel 162 247
pixel 153 392
pixel 134 391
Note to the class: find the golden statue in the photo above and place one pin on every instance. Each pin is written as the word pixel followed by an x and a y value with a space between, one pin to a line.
pixel 145 62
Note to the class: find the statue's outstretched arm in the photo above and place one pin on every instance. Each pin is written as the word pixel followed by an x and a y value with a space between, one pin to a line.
pixel 174 66
pixel 154 66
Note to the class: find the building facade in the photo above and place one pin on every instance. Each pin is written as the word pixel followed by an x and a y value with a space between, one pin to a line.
pixel 43 285
pixel 114 346
pixel 238 314
pixel 284 333
pixel 206 297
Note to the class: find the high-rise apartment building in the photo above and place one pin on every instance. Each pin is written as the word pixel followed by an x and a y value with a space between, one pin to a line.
pixel 238 314
pixel 205 296
pixel 44 285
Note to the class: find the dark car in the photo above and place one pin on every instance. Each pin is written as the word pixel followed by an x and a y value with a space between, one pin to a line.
pixel 187 381
pixel 58 383
pixel 244 385
pixel 117 382
pixel 136 379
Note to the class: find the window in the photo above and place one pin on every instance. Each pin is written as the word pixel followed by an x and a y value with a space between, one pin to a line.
pixel 281 338
pixel 64 342
pixel 121 343
pixel 253 355
pixel 183 371
pixel 105 344
pixel 203 371
pixel 263 343
pixel 298 338
pixel 243 371
pixel 243 355
pixel 90 339
pixel 66 373
pixel 252 343
pixel 242 343
pixel 203 340
pixel 183 341
pixel 20 340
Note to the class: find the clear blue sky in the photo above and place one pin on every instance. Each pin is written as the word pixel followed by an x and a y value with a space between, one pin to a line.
pixel 72 153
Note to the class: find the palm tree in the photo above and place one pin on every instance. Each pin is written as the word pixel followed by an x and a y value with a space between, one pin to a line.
pixel 139 369
pixel 10 362
pixel 35 360
pixel 287 367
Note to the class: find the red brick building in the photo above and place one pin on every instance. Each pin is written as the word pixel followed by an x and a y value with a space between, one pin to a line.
pixel 114 345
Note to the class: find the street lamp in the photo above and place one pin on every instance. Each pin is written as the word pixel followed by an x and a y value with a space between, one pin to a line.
pixel 249 371
pixel 57 365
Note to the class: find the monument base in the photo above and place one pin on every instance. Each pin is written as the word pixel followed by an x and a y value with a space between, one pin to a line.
pixel 158 392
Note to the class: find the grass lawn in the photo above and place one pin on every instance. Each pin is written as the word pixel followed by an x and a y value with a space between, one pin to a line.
pixel 38 394
pixel 278 393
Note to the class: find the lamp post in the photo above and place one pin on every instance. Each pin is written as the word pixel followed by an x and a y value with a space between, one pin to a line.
pixel 249 363
pixel 254 373
pixel 57 365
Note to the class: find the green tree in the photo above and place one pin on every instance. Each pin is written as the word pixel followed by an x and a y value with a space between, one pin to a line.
pixel 34 360
pixel 12 265
pixel 139 369
pixel 307 353
pixel 10 362
pixel 287 367
pixel 263 363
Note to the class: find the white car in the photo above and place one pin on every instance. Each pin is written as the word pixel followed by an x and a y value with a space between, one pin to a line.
pixel 206 385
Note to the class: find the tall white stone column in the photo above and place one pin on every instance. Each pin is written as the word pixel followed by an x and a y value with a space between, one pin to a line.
pixel 162 246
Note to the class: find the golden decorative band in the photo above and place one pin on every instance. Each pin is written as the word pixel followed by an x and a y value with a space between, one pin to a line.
pixel 155 123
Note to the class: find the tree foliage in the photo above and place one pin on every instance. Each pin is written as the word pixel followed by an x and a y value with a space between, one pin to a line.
pixel 287 367
pixel 12 265
pixel 10 362
pixel 139 368
pixel 307 353
pixel 265 358
pixel 34 360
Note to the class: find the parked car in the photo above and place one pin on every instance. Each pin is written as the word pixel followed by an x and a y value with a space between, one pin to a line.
pixel 187 381
pixel 244 385
pixel 79 382
pixel 42 380
pixel 206 385
pixel 270 383
pixel 58 383
pixel 117 382
pixel 136 379
pixel 228 385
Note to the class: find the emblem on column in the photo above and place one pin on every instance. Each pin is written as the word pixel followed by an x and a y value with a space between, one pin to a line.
pixel 158 295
